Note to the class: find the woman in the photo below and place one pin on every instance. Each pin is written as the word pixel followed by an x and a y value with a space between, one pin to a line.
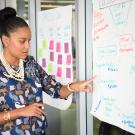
pixel 22 80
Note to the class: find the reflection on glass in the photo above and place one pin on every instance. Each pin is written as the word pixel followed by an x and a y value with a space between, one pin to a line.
pixel 96 126
pixel 22 8
pixel 49 4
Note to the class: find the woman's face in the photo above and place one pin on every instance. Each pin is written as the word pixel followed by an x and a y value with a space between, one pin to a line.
pixel 18 43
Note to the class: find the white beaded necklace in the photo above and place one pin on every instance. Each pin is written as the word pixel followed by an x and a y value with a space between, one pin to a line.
pixel 15 74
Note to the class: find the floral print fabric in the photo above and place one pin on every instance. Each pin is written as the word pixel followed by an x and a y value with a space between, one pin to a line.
pixel 15 94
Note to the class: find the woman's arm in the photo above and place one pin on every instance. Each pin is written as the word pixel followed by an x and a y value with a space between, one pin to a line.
pixel 12 115
pixel 80 86
pixel 56 89
pixel 34 109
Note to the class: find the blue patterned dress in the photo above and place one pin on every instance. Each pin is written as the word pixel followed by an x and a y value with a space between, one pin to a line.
pixel 15 94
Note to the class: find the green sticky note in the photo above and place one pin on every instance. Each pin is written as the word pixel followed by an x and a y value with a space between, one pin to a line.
pixel 50 68
pixel 39 52
pixel 44 44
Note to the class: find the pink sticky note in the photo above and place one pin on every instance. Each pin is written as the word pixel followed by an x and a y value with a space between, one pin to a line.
pixel 68 72
pixel 58 47
pixel 68 60
pixel 51 56
pixel 51 45
pixel 43 62
pixel 66 47
pixel 59 71
pixel 59 59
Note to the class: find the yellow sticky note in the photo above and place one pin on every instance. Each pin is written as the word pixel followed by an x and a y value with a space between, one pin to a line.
pixel 39 52
pixel 50 68
pixel 44 44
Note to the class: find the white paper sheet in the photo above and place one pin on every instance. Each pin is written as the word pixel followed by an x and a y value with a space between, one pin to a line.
pixel 114 64
pixel 55 50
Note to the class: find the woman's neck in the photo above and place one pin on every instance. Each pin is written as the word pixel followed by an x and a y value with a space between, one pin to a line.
pixel 11 60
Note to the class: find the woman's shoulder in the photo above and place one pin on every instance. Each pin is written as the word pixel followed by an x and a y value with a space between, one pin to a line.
pixel 30 61
pixel 29 58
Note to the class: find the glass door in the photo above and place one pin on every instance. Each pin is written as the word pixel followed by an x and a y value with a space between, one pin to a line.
pixel 62 122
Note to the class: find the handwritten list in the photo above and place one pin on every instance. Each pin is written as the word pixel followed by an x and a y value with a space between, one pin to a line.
pixel 114 62
pixel 106 3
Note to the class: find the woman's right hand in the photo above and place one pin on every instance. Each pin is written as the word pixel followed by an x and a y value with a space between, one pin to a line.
pixel 34 109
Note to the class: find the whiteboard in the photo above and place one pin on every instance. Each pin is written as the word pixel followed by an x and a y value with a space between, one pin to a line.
pixel 114 63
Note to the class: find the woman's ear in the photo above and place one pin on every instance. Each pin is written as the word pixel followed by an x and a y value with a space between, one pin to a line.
pixel 5 40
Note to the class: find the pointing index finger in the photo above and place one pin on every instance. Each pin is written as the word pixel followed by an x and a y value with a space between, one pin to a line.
pixel 90 80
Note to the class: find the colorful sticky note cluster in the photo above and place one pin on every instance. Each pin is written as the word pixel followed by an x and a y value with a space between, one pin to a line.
pixel 58 62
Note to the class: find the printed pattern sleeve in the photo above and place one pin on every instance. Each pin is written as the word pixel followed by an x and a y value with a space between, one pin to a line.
pixel 3 90
pixel 49 84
